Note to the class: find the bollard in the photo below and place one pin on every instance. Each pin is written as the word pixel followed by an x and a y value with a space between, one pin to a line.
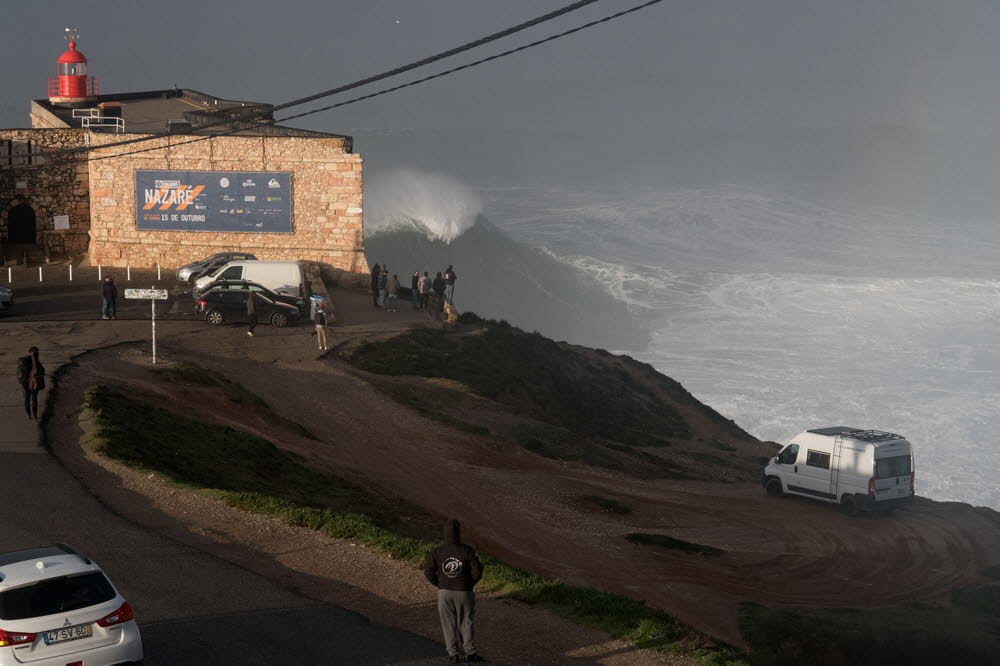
pixel 128 273
pixel 10 278
pixel 71 272
pixel 157 272
pixel 39 273
pixel 99 278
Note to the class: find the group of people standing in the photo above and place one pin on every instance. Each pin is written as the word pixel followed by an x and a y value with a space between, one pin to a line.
pixel 385 289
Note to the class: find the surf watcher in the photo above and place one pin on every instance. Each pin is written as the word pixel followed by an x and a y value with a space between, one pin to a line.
pixel 449 278
pixel 320 319
pixel 383 280
pixel 414 289
pixel 424 286
pixel 251 314
pixel 454 568
pixel 109 299
pixel 391 294
pixel 439 286
pixel 375 273
pixel 31 377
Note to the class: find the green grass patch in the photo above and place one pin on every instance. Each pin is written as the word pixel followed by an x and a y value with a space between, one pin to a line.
pixel 912 635
pixel 251 474
pixel 608 504
pixel 663 541
pixel 536 376
pixel 182 372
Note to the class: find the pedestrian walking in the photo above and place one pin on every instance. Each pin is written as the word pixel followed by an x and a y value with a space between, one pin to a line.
pixel 392 293
pixel 455 569
pixel 320 319
pixel 376 270
pixel 251 313
pixel 109 299
pixel 31 377
pixel 424 286
pixel 439 285
pixel 383 283
pixel 449 277
pixel 414 289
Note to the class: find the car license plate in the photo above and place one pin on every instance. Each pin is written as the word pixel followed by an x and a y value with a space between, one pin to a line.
pixel 69 634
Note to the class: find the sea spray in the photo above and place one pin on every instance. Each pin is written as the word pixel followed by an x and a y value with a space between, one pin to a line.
pixel 436 205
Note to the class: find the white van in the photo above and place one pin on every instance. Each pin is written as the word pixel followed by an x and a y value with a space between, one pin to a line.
pixel 858 469
pixel 284 276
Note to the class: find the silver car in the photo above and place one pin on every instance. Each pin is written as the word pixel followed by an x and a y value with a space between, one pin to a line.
pixel 189 272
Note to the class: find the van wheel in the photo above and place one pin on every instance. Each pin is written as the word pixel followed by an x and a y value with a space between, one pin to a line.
pixel 279 320
pixel 214 317
pixel 848 505
pixel 774 488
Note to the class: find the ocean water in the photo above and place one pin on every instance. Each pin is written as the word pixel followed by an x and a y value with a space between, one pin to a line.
pixel 784 315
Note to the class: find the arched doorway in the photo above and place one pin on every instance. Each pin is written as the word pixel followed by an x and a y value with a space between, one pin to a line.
pixel 21 225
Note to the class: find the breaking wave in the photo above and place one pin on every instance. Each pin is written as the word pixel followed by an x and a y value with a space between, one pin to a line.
pixel 435 205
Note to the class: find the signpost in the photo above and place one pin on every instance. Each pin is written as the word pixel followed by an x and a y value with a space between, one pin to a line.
pixel 153 294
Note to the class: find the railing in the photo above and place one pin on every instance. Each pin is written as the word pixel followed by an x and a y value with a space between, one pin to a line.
pixel 88 122
pixel 91 82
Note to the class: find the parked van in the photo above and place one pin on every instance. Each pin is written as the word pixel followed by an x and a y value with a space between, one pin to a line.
pixel 858 469
pixel 283 276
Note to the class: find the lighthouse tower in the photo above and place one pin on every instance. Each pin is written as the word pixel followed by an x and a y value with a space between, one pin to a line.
pixel 72 87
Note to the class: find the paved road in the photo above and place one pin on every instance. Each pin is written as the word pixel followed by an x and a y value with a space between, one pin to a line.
pixel 193 608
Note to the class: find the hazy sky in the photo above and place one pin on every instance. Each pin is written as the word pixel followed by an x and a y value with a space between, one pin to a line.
pixel 677 66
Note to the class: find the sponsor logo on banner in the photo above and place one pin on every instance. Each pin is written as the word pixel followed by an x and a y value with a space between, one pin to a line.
pixel 250 197
pixel 249 183
pixel 273 184
pixel 224 182
pixel 168 193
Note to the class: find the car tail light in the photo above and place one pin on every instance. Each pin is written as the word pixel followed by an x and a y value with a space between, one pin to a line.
pixel 123 614
pixel 871 487
pixel 202 304
pixel 15 638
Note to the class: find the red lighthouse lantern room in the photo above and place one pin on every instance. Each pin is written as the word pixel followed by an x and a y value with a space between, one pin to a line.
pixel 73 85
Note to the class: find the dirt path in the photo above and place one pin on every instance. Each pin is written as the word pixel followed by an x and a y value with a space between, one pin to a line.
pixel 528 511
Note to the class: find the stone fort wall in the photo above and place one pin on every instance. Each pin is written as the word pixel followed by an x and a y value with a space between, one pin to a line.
pixel 49 189
pixel 326 200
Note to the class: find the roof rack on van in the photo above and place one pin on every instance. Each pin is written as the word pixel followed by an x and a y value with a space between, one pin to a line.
pixel 69 550
pixel 873 436
pixel 834 430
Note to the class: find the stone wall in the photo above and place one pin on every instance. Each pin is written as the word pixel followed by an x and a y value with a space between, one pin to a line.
pixel 326 200
pixel 48 188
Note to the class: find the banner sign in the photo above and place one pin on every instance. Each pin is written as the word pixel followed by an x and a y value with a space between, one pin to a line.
pixel 240 201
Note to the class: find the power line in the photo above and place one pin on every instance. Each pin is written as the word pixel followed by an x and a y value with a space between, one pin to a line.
pixel 368 96
pixel 361 82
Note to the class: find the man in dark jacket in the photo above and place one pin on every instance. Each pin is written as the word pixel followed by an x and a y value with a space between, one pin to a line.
pixel 109 299
pixel 449 278
pixel 455 569
pixel 439 285
pixel 376 269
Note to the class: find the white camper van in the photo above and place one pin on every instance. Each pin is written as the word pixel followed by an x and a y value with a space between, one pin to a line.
pixel 283 276
pixel 858 469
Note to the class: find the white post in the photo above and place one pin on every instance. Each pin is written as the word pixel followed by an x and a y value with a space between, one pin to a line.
pixel 99 278
pixel 153 301
pixel 39 273
pixel 128 272
pixel 10 277
pixel 157 272
pixel 71 272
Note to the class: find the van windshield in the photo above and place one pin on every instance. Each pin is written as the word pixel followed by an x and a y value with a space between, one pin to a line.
pixel 886 468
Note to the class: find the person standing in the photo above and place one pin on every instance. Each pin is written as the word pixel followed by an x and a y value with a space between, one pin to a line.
pixel 414 288
pixel 31 377
pixel 449 278
pixel 392 294
pixel 439 287
pixel 320 319
pixel 424 286
pixel 375 273
pixel 383 282
pixel 251 313
pixel 454 568
pixel 109 299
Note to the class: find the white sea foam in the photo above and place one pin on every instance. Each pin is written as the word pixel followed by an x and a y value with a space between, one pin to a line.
pixel 437 205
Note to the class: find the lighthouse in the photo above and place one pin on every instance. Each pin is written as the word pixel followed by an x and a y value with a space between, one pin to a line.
pixel 72 87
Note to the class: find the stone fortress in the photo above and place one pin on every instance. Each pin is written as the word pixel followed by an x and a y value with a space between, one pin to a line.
pixel 243 184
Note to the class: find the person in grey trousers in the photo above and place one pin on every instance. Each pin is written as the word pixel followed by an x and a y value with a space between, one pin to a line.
pixel 454 568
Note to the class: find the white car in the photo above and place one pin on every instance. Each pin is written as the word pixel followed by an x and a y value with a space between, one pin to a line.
pixel 858 469
pixel 6 299
pixel 57 608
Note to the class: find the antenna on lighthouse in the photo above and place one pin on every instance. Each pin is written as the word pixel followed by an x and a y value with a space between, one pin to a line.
pixel 72 34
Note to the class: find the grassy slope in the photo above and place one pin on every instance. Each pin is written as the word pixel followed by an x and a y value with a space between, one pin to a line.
pixel 251 474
